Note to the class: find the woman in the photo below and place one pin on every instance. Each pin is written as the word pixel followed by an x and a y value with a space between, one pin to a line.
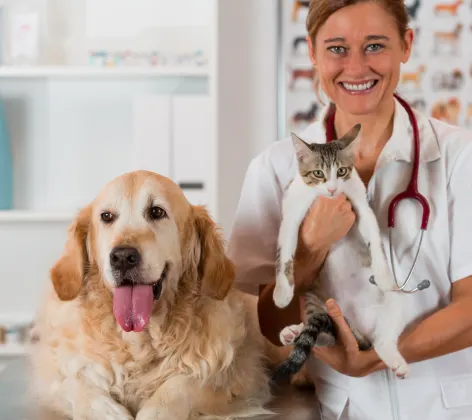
pixel 357 48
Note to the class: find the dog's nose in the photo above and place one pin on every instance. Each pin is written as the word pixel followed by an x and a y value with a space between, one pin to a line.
pixel 123 258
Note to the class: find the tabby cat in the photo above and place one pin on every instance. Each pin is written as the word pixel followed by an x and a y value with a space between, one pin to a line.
pixel 328 169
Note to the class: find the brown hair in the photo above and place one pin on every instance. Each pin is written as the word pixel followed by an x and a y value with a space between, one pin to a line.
pixel 320 10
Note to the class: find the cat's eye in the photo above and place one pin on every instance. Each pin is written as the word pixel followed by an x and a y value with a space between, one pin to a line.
pixel 318 174
pixel 342 172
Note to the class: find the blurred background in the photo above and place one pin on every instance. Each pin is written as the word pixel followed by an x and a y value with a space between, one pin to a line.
pixel 191 89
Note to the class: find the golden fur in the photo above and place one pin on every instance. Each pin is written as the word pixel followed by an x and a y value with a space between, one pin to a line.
pixel 201 353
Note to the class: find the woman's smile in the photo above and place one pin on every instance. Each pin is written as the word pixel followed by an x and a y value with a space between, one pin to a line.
pixel 359 88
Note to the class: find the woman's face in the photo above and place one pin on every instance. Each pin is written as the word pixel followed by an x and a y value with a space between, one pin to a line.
pixel 357 56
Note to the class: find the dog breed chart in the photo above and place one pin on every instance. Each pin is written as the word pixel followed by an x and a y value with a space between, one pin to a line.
pixel 436 80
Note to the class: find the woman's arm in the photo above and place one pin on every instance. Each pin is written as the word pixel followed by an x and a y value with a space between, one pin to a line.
pixel 446 331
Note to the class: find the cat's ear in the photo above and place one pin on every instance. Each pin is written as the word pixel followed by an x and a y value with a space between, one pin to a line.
pixel 302 149
pixel 350 140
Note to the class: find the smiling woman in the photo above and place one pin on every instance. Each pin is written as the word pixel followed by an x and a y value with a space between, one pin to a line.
pixel 353 61
pixel 357 48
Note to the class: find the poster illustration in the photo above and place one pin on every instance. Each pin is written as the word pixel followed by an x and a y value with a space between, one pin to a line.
pixel 436 80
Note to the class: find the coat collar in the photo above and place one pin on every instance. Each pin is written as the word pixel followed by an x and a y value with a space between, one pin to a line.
pixel 400 145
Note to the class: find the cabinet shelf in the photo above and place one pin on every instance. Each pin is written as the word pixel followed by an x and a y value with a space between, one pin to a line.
pixel 34 216
pixel 12 350
pixel 90 71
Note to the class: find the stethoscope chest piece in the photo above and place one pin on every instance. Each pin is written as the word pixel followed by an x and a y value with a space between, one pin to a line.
pixel 420 286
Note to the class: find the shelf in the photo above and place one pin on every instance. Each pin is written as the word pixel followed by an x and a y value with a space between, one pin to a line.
pixel 34 216
pixel 12 350
pixel 90 71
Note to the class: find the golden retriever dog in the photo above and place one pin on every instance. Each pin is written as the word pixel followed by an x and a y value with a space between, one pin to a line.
pixel 141 320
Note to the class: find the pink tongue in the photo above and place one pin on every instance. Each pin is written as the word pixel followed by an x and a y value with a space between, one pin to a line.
pixel 132 306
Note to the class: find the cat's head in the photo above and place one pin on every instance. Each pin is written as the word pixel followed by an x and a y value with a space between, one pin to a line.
pixel 327 166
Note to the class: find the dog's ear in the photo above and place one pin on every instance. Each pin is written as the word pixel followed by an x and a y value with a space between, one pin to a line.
pixel 215 269
pixel 68 273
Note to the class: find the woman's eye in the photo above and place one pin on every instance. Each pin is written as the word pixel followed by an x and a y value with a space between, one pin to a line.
pixel 107 216
pixel 374 47
pixel 318 174
pixel 342 171
pixel 337 50
pixel 157 213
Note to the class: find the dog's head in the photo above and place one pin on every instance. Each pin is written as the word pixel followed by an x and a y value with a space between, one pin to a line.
pixel 142 236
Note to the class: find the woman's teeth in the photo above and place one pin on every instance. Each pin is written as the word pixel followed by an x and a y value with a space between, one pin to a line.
pixel 358 88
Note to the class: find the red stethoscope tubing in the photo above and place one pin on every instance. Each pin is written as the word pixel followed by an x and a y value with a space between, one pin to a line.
pixel 411 190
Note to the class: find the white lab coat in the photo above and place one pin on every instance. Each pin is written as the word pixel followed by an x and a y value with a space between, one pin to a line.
pixel 437 389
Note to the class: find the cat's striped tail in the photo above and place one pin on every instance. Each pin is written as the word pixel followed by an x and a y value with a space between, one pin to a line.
pixel 318 323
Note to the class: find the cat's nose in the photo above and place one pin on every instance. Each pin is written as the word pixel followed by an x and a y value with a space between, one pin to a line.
pixel 332 190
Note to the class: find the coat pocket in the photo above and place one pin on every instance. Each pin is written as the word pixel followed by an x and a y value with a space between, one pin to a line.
pixel 457 391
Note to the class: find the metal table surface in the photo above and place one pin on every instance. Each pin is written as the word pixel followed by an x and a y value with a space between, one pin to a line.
pixel 290 403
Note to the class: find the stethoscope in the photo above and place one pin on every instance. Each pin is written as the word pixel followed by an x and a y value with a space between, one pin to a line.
pixel 411 191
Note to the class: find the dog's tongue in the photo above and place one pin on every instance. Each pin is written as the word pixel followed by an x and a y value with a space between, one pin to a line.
pixel 132 306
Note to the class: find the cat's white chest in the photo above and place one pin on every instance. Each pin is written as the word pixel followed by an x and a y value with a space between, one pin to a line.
pixel 345 279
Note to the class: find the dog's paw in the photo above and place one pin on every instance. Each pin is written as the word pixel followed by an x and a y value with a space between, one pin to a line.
pixel 162 413
pixel 102 407
pixel 148 413
pixel 283 293
pixel 289 334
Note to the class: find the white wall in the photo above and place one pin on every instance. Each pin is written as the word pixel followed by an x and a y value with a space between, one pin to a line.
pixel 247 93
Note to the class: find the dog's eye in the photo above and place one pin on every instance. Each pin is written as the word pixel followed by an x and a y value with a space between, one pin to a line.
pixel 107 216
pixel 157 213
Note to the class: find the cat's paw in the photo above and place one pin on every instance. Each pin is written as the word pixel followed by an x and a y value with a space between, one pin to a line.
pixel 289 334
pixel 403 369
pixel 283 293
pixel 388 352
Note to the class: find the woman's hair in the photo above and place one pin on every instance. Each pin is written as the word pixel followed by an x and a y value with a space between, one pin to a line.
pixel 320 10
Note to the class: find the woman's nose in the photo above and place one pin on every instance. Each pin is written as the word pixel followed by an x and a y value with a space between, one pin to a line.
pixel 355 64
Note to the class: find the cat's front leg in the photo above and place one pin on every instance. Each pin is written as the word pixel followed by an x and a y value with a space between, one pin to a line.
pixel 390 324
pixel 369 228
pixel 294 212
pixel 171 401
pixel 370 232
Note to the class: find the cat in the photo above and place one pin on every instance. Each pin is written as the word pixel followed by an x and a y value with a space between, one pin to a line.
pixel 327 170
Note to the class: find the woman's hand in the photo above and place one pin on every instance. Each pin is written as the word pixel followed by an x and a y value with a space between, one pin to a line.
pixel 328 220
pixel 345 356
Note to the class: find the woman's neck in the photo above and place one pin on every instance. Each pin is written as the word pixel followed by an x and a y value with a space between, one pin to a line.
pixel 376 128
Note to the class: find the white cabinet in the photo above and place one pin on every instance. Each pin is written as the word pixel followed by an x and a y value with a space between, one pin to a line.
pixel 75 126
